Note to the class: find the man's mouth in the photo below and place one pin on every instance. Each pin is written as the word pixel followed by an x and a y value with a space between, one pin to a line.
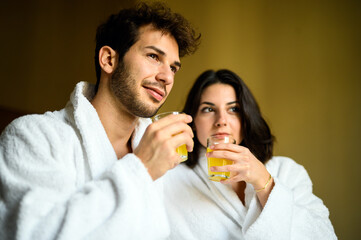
pixel 156 93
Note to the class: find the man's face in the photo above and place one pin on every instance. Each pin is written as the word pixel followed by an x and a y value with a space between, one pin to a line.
pixel 142 82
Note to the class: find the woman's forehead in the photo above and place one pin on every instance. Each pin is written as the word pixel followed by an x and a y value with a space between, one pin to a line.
pixel 219 92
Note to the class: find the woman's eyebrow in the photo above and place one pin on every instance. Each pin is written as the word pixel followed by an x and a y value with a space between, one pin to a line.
pixel 232 102
pixel 208 103
pixel 212 104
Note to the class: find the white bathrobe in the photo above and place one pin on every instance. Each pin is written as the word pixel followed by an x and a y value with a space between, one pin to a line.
pixel 202 209
pixel 60 179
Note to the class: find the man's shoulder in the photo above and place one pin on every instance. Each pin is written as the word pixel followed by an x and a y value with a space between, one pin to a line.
pixel 50 123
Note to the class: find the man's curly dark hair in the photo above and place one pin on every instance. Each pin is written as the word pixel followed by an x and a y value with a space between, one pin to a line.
pixel 121 30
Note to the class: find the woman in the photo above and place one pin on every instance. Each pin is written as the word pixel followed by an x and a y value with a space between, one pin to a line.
pixel 266 197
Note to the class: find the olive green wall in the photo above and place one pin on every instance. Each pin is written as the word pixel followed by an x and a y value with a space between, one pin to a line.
pixel 301 59
pixel 47 47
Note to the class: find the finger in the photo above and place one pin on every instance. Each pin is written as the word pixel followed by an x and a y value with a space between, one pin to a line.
pixel 237 178
pixel 161 123
pixel 228 146
pixel 226 155
pixel 235 168
pixel 173 129
pixel 182 138
pixel 170 122
pixel 225 168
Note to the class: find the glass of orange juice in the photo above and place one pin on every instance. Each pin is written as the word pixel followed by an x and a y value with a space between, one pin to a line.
pixel 217 176
pixel 181 150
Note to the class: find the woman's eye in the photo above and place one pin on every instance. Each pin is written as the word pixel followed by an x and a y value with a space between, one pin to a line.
pixel 207 109
pixel 234 109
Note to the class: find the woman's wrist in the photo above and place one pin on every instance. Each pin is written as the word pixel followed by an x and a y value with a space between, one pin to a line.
pixel 265 186
pixel 264 192
pixel 262 180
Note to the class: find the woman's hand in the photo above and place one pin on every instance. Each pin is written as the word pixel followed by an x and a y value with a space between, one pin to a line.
pixel 246 166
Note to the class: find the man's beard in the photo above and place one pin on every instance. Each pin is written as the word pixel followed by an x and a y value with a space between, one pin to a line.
pixel 124 88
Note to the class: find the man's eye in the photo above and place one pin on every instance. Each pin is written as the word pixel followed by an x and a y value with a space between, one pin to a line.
pixel 174 69
pixel 154 56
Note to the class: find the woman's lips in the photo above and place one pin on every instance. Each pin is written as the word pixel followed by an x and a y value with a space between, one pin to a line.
pixel 220 134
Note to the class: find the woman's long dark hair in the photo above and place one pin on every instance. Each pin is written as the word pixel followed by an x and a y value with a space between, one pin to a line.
pixel 256 134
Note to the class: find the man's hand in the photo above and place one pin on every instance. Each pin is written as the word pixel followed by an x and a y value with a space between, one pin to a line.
pixel 157 149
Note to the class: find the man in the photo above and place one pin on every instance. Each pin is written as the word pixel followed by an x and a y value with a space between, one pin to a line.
pixel 89 170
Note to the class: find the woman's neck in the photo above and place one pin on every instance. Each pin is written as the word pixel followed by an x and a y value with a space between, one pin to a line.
pixel 239 188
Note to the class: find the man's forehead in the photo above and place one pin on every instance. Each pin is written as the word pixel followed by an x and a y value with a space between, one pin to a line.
pixel 152 28
pixel 150 37
pixel 150 33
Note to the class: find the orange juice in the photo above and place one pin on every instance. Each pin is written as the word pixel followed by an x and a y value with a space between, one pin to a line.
pixel 182 151
pixel 217 176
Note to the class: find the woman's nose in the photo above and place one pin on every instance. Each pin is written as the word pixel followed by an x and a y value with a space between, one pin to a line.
pixel 221 120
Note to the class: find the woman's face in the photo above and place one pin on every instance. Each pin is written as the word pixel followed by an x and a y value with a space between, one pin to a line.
pixel 218 113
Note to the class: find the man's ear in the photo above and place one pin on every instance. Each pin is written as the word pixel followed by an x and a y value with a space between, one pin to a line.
pixel 107 59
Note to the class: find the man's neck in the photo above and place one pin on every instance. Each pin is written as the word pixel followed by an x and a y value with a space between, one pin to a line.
pixel 118 123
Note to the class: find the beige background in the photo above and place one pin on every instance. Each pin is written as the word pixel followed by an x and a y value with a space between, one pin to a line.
pixel 301 59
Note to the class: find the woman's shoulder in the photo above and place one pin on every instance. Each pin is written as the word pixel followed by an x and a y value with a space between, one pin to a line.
pixel 278 161
pixel 285 167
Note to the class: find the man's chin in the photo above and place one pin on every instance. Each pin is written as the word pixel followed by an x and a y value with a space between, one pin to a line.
pixel 155 110
pixel 147 112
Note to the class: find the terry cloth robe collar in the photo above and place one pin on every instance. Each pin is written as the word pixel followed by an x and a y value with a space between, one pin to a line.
pixel 92 131
pixel 225 197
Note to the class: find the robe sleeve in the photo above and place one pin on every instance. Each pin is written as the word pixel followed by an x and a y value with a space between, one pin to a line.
pixel 292 210
pixel 41 200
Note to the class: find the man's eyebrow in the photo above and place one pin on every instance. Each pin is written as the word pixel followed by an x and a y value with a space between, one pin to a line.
pixel 161 52
pixel 178 64
pixel 157 50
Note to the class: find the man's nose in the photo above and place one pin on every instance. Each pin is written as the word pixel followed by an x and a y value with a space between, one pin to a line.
pixel 165 75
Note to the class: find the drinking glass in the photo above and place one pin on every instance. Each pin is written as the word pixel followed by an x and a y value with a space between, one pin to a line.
pixel 181 150
pixel 217 176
